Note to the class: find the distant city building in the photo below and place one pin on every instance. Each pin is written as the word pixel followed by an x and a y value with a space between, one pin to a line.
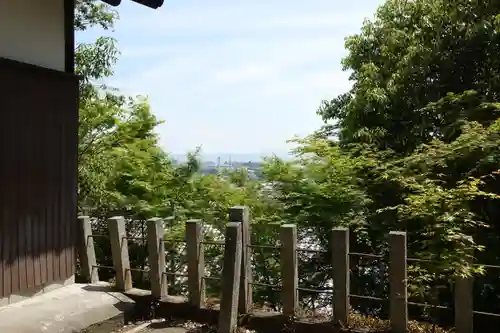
pixel 209 167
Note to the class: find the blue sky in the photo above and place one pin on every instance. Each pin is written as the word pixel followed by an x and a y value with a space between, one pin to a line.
pixel 237 76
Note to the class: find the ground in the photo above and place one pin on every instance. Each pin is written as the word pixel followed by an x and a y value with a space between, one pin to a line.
pixel 83 308
pixel 68 309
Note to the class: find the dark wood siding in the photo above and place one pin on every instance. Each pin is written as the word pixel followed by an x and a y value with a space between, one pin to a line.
pixel 38 149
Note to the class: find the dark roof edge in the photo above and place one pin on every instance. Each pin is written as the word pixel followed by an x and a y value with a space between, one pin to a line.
pixel 148 3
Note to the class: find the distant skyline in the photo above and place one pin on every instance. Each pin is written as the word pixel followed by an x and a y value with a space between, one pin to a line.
pixel 231 75
pixel 235 157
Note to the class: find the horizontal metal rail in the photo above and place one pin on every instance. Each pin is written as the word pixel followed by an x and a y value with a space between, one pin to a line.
pixel 311 251
pixel 366 255
pixel 487 266
pixel 218 243
pixel 481 313
pixel 98 235
pixel 442 307
pixel 261 284
pixel 316 291
pixel 102 266
pixel 142 239
pixel 214 278
pixel 138 270
pixel 173 241
pixel 418 260
pixel 175 274
pixel 265 247
pixel 370 298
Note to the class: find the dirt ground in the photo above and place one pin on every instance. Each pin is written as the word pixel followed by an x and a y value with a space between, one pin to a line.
pixel 117 325
pixel 113 325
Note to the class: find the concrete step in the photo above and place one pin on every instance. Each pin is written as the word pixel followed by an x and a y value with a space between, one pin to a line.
pixel 65 310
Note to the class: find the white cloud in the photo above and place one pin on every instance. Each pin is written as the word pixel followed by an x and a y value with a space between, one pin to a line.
pixel 243 74
pixel 245 17
pixel 242 60
pixel 235 76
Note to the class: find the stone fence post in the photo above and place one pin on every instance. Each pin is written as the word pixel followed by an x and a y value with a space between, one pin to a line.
pixel 464 304
pixel 119 250
pixel 86 250
pixel 241 215
pixel 340 274
pixel 195 262
pixel 398 312
pixel 289 270
pixel 231 272
pixel 156 257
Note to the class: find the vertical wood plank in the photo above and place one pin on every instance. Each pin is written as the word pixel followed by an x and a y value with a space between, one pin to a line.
pixel 36 248
pixel 65 198
pixel 16 219
pixel 20 278
pixel 29 198
pixel 44 196
pixel 5 150
pixel 30 265
pixel 37 195
pixel 51 195
pixel 56 227
pixel 61 233
pixel 241 214
pixel 196 263
pixel 6 213
pixel 43 242
pixel 119 249
pixel 70 100
pixel 289 270
pixel 156 256
pixel 6 246
pixel 398 282
pixel 73 173
pixel 340 274
pixel 24 195
pixel 38 201
pixel 30 135
pixel 69 199
pixel 5 134
pixel 5 204
pixel 231 271
pixel 66 192
pixel 3 262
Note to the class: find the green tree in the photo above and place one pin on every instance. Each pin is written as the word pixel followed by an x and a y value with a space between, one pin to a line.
pixel 122 169
pixel 423 113
pixel 317 191
pixel 412 54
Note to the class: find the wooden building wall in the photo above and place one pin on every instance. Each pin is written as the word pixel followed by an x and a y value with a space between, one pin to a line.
pixel 38 171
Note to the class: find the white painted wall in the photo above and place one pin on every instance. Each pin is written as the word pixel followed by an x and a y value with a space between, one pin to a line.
pixel 32 31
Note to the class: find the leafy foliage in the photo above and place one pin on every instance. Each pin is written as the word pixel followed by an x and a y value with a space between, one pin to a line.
pixel 412 146
pixel 415 53
pixel 90 13
pixel 424 104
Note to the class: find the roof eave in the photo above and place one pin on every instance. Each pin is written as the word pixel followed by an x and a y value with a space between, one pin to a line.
pixel 155 4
